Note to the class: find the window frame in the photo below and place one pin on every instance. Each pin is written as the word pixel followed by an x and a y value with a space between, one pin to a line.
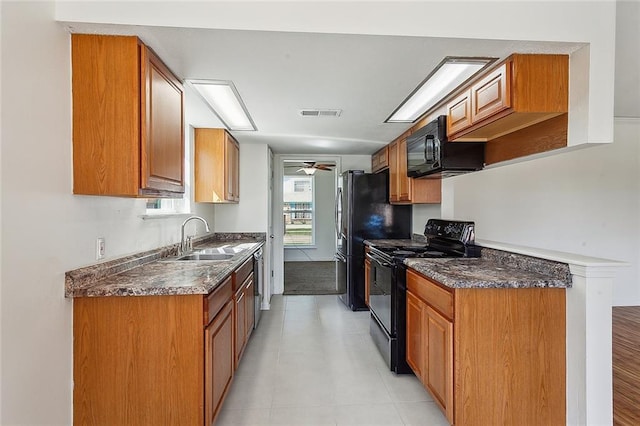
pixel 312 180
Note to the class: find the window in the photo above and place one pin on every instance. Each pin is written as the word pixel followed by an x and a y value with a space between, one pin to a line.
pixel 300 185
pixel 298 211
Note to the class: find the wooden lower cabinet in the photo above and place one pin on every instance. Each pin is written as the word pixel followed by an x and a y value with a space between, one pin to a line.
pixel 438 374
pixel 489 355
pixel 415 334
pixel 138 360
pixel 367 274
pixel 159 360
pixel 244 316
pixel 219 361
pixel 240 324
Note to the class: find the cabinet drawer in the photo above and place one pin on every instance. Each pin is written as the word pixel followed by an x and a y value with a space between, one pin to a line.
pixel 216 300
pixel 241 274
pixel 431 293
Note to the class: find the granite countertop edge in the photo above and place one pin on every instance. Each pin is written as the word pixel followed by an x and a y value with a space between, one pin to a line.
pixel 152 273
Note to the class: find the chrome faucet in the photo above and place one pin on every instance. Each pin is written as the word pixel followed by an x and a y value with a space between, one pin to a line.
pixel 183 242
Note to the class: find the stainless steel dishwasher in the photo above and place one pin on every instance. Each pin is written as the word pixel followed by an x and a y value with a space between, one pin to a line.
pixel 258 276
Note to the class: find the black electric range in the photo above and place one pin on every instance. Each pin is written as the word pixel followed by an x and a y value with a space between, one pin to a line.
pixel 387 282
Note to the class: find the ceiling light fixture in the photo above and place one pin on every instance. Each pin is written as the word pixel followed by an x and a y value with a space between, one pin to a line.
pixel 225 102
pixel 308 170
pixel 446 77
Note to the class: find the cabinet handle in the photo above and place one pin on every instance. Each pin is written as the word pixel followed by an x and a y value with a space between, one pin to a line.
pixel 240 298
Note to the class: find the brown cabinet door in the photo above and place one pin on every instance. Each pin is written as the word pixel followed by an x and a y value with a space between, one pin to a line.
pixel 219 361
pixel 459 113
pixel 162 144
pixel 232 166
pixel 439 360
pixel 393 172
pixel 492 94
pixel 367 274
pixel 380 160
pixel 374 163
pixel 250 313
pixel 404 182
pixel 240 324
pixel 415 345
pixel 383 158
pixel 236 172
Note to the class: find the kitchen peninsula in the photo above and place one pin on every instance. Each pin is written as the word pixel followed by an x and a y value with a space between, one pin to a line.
pixel 586 325
pixel 157 339
pixel 486 337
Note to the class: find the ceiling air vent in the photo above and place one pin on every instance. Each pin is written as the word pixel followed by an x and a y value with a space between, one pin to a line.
pixel 320 112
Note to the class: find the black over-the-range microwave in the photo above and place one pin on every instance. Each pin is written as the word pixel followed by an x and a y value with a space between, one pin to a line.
pixel 431 155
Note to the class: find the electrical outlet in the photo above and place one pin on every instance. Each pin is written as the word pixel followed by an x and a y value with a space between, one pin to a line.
pixel 99 248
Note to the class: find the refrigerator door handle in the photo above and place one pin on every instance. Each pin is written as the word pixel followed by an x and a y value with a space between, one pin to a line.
pixel 338 200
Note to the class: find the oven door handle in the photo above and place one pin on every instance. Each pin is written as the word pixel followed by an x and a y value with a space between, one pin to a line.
pixel 378 260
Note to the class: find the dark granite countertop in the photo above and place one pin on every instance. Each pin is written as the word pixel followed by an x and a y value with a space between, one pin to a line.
pixel 483 273
pixel 155 272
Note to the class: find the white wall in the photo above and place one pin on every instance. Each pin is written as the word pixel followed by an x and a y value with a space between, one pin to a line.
pixel 584 202
pixel 45 229
pixel 355 162
pixel 422 213
pixel 250 214
pixel 324 223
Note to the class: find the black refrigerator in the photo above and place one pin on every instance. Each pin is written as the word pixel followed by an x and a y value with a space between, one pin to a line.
pixel 363 212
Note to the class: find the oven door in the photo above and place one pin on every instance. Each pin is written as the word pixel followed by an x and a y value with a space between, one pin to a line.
pixel 380 282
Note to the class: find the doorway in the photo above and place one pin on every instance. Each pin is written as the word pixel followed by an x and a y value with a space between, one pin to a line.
pixel 305 203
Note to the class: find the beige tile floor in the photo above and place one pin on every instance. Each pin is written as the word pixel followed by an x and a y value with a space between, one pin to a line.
pixel 311 362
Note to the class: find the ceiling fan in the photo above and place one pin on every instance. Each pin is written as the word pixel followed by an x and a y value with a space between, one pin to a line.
pixel 311 167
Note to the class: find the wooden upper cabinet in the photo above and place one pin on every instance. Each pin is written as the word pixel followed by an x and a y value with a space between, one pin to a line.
pixel 217 165
pixel 522 91
pixel 128 120
pixel 380 160
pixel 404 182
pixel 491 95
pixel 459 113
pixel 393 173
pixel 406 190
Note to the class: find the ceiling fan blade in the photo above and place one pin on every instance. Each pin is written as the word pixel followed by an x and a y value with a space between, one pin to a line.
pixel 309 163
pixel 321 167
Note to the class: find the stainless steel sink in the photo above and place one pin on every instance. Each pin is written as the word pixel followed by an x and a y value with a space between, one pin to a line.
pixel 218 250
pixel 206 256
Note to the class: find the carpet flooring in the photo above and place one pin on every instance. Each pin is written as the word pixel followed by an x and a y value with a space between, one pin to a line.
pixel 310 278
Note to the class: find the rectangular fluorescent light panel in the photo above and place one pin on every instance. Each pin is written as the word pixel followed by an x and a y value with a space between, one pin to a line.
pixel 446 77
pixel 225 102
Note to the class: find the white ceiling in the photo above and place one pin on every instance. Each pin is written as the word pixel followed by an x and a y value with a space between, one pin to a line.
pixel 279 73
